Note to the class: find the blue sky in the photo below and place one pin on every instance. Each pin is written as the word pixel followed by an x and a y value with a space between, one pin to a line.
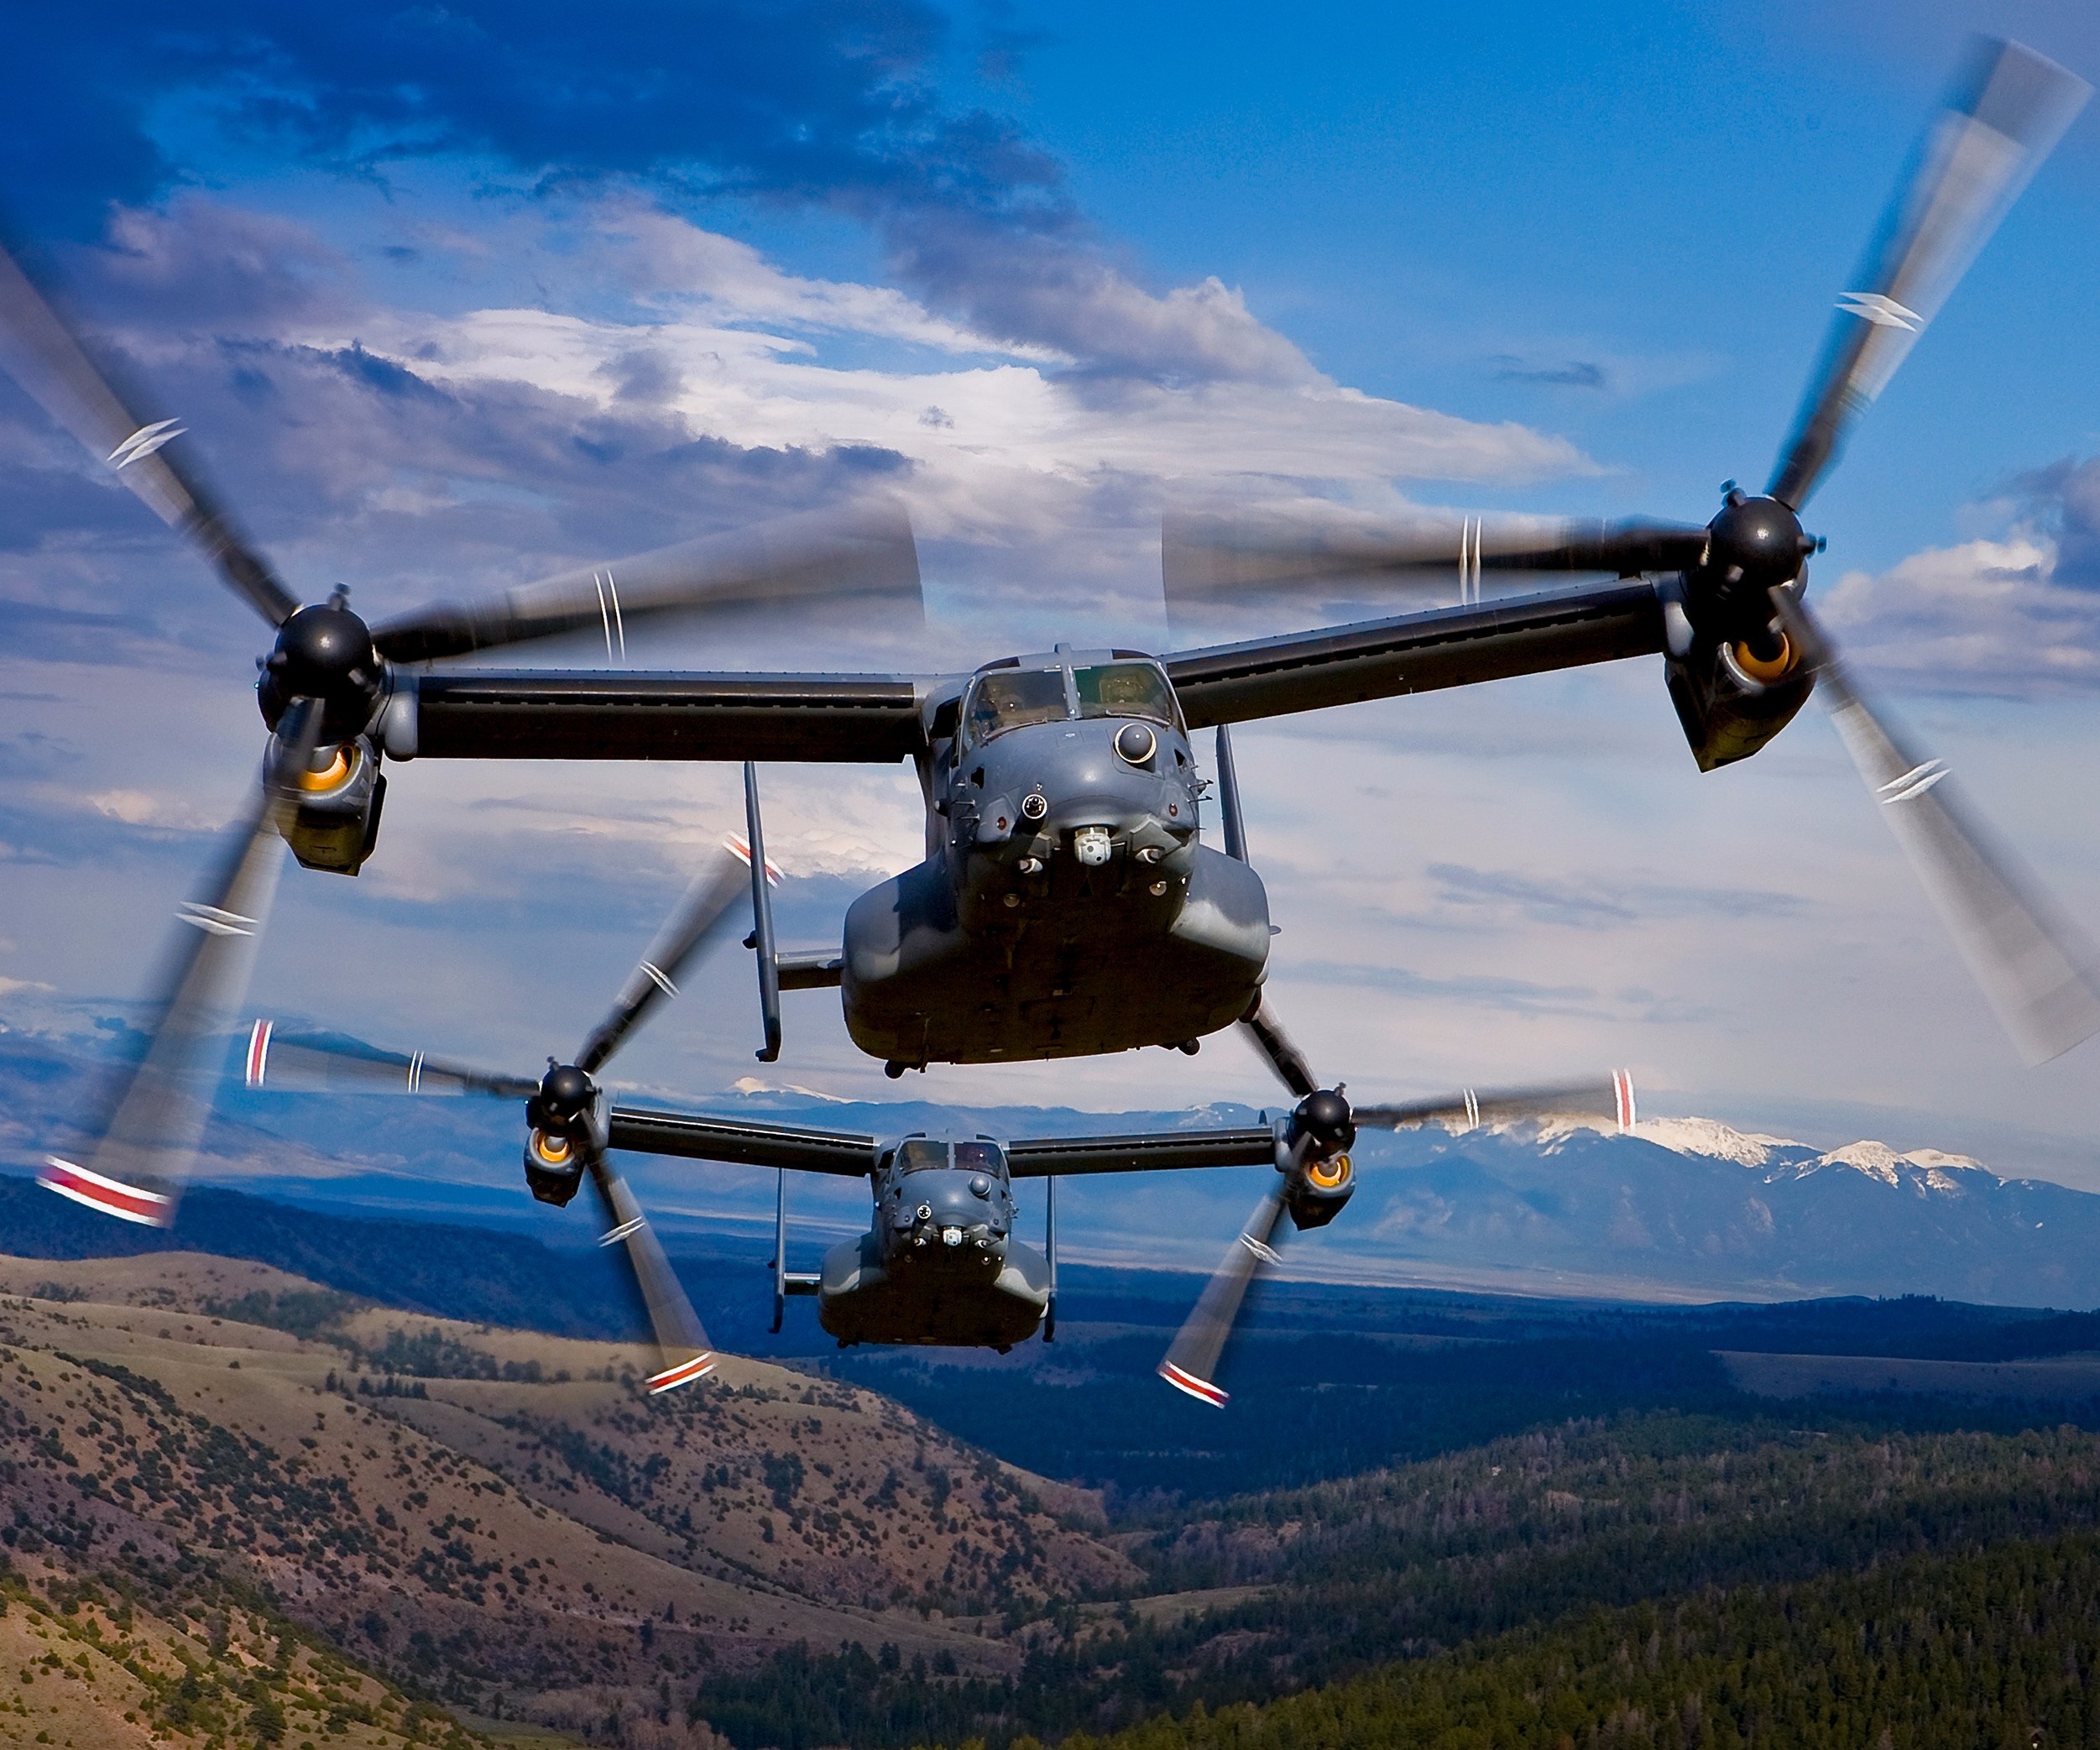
pixel 454 297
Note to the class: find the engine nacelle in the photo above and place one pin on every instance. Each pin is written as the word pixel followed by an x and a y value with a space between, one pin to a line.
pixel 553 1168
pixel 570 1130
pixel 1732 696
pixel 337 822
pixel 1313 1151
pixel 1734 676
pixel 1317 1195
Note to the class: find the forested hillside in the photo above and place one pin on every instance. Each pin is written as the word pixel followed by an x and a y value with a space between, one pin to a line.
pixel 2000 1649
pixel 1542 1536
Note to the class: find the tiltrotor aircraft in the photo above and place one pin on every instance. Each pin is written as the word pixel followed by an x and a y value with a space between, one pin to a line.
pixel 1067 904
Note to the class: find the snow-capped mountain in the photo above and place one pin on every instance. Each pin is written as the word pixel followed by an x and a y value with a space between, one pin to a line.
pixel 1694 1208
pixel 1928 1169
pixel 1681 1208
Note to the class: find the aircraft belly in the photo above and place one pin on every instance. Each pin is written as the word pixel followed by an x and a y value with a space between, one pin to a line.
pixel 1073 978
pixel 862 1300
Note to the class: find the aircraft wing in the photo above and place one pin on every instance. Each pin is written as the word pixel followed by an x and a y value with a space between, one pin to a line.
pixel 839 1153
pixel 600 714
pixel 1163 1150
pixel 845 1155
pixel 1417 653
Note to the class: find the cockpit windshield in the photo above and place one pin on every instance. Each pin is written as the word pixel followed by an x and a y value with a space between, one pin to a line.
pixel 1125 689
pixel 1011 698
pixel 920 1154
pixel 976 1158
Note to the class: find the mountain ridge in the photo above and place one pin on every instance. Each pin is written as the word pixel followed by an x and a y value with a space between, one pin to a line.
pixel 1681 1208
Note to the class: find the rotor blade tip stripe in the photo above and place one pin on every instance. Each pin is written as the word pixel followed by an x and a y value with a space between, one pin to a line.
pixel 1622 1089
pixel 143 442
pixel 740 847
pixel 258 1053
pixel 112 1197
pixel 1882 311
pixel 1913 783
pixel 1184 1380
pixel 684 1374
pixel 214 920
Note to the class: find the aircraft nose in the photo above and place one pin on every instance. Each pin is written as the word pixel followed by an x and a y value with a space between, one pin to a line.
pixel 945 1217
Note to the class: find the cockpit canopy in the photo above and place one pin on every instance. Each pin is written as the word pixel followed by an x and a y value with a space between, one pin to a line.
pixel 1000 699
pixel 927 1154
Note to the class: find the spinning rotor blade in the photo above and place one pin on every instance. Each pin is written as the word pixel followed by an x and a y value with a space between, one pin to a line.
pixel 1191 1359
pixel 683 1352
pixel 1322 1127
pixel 159 1114
pixel 703 917
pixel 2008 110
pixel 1208 557
pixel 305 1065
pixel 863 553
pixel 1274 1044
pixel 40 353
pixel 2040 971
pixel 1610 1098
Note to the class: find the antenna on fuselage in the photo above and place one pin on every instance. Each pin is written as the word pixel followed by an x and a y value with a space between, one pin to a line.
pixel 1050 1255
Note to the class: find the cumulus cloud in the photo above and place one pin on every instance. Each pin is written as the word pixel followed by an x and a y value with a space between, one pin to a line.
pixel 414 453
pixel 2017 613
pixel 824 103
pixel 676 265
pixel 1018 373
pixel 2066 500
pixel 347 464
pixel 1056 287
pixel 731 355
pixel 200 265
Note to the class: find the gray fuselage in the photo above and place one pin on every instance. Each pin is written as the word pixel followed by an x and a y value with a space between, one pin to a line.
pixel 940 1265
pixel 1065 906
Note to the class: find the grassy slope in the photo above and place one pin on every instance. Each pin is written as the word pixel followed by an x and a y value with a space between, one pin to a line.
pixel 166 1653
pixel 566 1544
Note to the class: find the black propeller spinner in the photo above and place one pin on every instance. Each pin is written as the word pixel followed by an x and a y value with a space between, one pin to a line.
pixel 325 653
pixel 1323 1125
pixel 1753 546
pixel 1315 1179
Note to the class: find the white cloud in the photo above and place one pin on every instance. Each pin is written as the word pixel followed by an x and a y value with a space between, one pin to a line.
pixel 134 807
pixel 1985 615
pixel 999 436
pixel 675 266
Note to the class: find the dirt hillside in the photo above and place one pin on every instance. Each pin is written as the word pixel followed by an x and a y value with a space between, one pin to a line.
pixel 496 1519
